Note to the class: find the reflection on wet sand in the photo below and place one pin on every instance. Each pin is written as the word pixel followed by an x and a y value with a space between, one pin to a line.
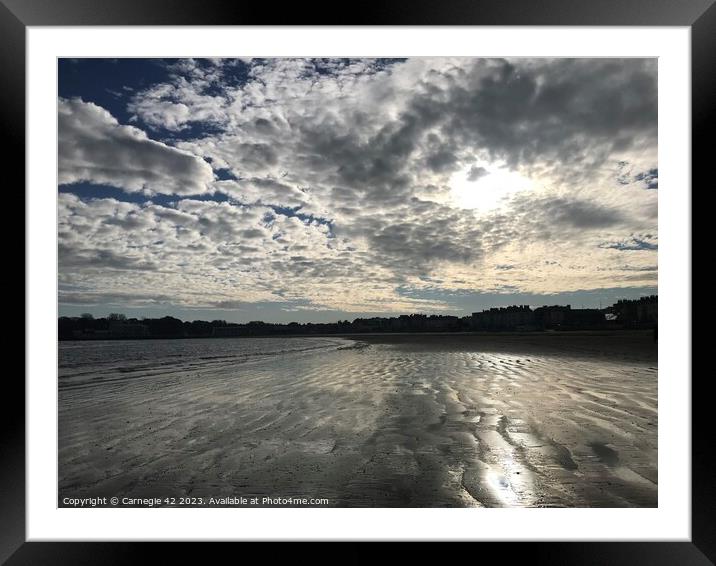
pixel 391 424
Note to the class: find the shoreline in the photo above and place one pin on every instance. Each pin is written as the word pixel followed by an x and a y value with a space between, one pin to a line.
pixel 638 345
pixel 495 334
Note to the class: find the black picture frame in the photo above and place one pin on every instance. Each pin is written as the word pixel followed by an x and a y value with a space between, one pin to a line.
pixel 17 15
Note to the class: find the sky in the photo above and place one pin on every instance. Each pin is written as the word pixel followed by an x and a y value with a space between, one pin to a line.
pixel 329 189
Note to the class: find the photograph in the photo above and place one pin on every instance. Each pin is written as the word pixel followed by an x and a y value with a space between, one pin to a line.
pixel 424 282
pixel 386 275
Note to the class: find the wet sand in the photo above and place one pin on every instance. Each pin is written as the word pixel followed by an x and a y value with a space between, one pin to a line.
pixel 381 421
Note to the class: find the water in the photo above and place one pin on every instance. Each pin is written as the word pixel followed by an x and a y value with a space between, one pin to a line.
pixel 407 424
pixel 108 360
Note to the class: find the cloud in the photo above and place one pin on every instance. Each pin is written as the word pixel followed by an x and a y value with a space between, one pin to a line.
pixel 205 253
pixel 649 178
pixel 475 173
pixel 645 242
pixel 339 177
pixel 574 111
pixel 94 147
pixel 578 214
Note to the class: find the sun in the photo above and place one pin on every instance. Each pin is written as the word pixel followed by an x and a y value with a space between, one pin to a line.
pixel 486 187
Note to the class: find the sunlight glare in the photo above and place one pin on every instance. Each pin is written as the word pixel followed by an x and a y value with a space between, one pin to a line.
pixel 489 191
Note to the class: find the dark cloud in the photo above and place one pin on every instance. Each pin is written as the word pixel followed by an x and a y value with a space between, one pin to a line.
pixel 554 217
pixel 416 237
pixel 580 214
pixel 256 155
pixel 477 173
pixel 442 162
pixel 114 298
pixel 570 110
pixel 70 257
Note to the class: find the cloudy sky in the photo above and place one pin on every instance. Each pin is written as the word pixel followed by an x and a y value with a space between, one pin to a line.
pixel 296 189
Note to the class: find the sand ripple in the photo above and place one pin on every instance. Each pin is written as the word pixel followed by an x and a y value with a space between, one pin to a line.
pixel 382 425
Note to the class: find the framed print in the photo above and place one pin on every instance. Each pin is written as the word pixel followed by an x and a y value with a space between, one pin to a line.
pixel 393 278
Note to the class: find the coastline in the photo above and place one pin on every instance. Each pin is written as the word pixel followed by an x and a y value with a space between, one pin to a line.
pixel 637 344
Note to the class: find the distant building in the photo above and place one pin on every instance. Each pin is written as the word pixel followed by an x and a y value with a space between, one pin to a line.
pixel 637 312
pixel 442 323
pixel 553 317
pixel 647 311
pixel 585 318
pixel 523 318
pixel 504 318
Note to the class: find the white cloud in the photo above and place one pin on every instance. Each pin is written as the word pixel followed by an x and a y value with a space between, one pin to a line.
pixel 94 147
pixel 204 253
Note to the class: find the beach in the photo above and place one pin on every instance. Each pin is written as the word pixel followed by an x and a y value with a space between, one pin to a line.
pixel 513 420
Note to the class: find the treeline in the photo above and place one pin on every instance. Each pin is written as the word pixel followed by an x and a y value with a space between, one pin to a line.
pixel 638 313
pixel 119 326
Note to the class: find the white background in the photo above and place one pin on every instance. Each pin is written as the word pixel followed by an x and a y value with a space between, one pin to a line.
pixel 670 521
